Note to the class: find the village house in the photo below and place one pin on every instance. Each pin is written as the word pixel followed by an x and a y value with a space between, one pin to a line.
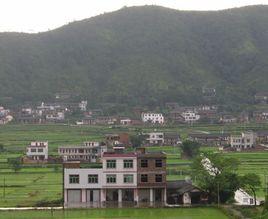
pixel 125 121
pixel 243 198
pixel 190 116
pixel 261 97
pixel 260 116
pixel 227 119
pixel 5 116
pixel 245 140
pixel 125 179
pixel 154 138
pixel 37 151
pixel 214 139
pixel 262 137
pixel 172 138
pixel 117 139
pixel 182 192
pixel 151 177
pixel 154 118
pixel 89 152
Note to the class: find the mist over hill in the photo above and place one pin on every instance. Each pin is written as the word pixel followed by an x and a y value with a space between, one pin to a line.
pixel 141 56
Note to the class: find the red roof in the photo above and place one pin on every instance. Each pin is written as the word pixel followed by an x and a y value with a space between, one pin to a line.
pixel 107 154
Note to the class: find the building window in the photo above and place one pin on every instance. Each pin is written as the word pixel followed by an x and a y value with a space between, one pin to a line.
pixel 158 178
pixel 144 163
pixel 92 178
pixel 128 178
pixel 158 163
pixel 33 150
pixel 144 178
pixel 111 178
pixel 73 179
pixel 128 163
pixel 40 150
pixel 111 164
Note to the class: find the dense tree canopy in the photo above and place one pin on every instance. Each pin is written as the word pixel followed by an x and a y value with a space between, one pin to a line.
pixel 141 56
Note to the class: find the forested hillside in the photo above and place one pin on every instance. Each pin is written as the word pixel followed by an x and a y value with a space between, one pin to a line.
pixel 141 56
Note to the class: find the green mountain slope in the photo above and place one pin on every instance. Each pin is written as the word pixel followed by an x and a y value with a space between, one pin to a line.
pixel 141 55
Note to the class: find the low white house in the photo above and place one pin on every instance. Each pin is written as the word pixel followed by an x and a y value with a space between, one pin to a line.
pixel 88 152
pixel 155 118
pixel 37 150
pixel 244 141
pixel 190 116
pixel 243 198
pixel 154 138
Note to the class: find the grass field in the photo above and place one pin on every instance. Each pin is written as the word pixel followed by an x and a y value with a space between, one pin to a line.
pixel 44 183
pixel 148 213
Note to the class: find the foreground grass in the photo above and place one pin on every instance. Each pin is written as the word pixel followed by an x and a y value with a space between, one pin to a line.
pixel 148 213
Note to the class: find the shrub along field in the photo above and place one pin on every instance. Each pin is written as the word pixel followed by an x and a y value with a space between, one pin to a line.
pixel 148 213
pixel 34 185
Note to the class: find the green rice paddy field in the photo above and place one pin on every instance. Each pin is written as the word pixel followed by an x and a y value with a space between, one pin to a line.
pixel 35 184
pixel 148 213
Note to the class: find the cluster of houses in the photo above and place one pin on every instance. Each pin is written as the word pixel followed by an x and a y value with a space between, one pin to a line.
pixel 247 140
pixel 5 116
pixel 47 112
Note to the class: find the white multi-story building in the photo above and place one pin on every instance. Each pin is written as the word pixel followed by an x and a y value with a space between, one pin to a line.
pixel 244 141
pixel 155 118
pixel 37 150
pixel 115 182
pixel 154 138
pixel 83 105
pixel 88 152
pixel 190 116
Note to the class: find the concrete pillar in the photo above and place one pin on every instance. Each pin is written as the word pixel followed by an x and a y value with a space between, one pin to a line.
pixel 65 196
pixel 136 196
pixel 120 198
pixel 165 196
pixel 84 195
pixel 103 195
pixel 151 196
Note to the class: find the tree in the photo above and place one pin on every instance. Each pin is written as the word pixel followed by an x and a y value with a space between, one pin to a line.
pixel 136 140
pixel 190 148
pixel 15 164
pixel 2 149
pixel 251 181
pixel 216 175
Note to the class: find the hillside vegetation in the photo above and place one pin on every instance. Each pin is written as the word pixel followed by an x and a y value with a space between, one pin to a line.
pixel 141 56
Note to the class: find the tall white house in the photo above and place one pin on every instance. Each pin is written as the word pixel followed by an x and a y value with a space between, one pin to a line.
pixel 155 118
pixel 243 141
pixel 190 116
pixel 243 198
pixel 37 150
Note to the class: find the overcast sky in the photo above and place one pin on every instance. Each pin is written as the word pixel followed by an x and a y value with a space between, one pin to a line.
pixel 42 15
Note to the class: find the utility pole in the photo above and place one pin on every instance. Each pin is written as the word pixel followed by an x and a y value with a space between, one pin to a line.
pixel 4 188
pixel 218 194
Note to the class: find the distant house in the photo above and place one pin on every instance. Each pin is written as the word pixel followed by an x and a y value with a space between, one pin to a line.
pixel 261 97
pixel 210 139
pixel 117 139
pixel 154 118
pixel 228 119
pixel 90 152
pixel 245 140
pixel 243 198
pixel 260 116
pixel 262 137
pixel 182 192
pixel 83 105
pixel 55 116
pixel 172 138
pixel 37 151
pixel 125 121
pixel 190 116
pixel 175 116
pixel 154 138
